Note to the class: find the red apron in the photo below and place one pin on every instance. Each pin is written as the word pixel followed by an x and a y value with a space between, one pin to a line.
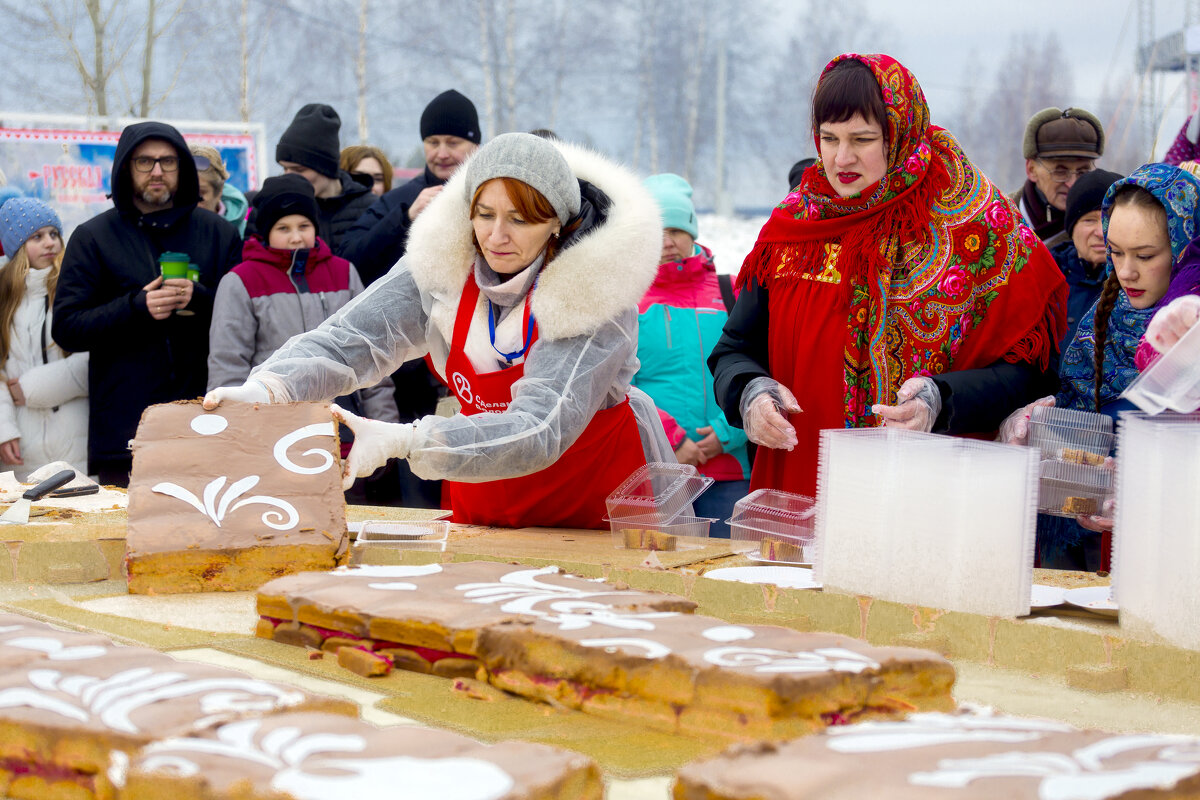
pixel 570 492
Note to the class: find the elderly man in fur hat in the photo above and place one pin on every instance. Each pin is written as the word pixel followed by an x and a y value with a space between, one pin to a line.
pixel 1060 147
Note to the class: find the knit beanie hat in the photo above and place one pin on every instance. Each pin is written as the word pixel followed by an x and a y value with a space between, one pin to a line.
pixel 20 218
pixel 674 197
pixel 283 195
pixel 1055 133
pixel 1086 194
pixel 450 114
pixel 532 160
pixel 312 139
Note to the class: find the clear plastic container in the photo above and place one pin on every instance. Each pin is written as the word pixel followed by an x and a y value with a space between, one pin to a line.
pixel 423 536
pixel 1065 434
pixel 782 525
pixel 1172 382
pixel 1070 489
pixel 693 527
pixel 657 492
pixel 658 497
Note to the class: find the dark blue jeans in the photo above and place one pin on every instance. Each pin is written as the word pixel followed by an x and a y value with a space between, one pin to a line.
pixel 717 501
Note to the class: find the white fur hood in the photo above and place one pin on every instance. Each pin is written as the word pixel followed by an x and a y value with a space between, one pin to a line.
pixel 601 274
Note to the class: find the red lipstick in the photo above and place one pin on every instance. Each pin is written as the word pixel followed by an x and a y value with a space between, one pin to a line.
pixel 848 177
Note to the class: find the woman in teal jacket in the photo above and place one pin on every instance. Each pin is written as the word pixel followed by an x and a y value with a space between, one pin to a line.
pixel 679 321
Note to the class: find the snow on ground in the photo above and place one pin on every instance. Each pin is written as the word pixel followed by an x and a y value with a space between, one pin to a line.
pixel 730 239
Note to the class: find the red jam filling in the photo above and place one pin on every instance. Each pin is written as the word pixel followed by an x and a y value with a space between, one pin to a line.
pixel 429 654
pixel 50 773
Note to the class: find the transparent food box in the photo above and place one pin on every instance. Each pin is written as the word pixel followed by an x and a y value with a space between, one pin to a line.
pixel 422 536
pixel 1173 381
pixel 1065 434
pixel 780 525
pixel 657 499
pixel 1069 489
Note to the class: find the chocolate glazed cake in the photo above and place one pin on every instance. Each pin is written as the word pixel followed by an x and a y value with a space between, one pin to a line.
pixel 428 618
pixel 590 646
pixel 71 703
pixel 322 757
pixel 955 757
pixel 229 499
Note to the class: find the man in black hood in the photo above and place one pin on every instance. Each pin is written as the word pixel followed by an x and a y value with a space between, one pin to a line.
pixel 148 337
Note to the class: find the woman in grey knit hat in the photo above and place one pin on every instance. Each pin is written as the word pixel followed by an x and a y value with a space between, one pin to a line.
pixel 520 285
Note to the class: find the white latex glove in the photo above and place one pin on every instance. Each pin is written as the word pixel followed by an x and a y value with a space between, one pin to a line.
pixel 918 403
pixel 762 402
pixel 1171 322
pixel 1015 428
pixel 251 391
pixel 374 443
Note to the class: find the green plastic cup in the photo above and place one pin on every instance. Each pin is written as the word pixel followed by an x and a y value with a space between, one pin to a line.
pixel 193 272
pixel 173 265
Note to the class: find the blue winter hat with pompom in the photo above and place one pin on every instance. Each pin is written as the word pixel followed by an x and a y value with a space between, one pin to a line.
pixel 20 218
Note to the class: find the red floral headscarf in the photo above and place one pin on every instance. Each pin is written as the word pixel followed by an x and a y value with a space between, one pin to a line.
pixel 940 272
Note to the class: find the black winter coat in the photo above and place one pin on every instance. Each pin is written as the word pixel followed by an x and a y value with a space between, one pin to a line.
pixel 973 400
pixel 376 241
pixel 100 306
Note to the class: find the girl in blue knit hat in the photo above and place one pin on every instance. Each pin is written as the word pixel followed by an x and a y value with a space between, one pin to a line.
pixel 43 400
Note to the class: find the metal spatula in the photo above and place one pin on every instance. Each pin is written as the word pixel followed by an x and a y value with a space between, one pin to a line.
pixel 18 513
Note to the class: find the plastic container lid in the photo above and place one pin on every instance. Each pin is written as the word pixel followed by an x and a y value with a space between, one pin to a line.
pixel 1172 382
pixel 1054 430
pixel 657 492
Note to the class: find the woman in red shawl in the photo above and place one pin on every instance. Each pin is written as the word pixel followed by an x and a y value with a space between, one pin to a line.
pixel 895 285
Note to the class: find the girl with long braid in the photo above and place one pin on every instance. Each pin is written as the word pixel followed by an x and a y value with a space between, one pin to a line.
pixel 1148 219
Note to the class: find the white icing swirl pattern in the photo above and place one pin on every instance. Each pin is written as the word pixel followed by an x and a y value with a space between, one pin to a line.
pixel 1081 774
pixel 283 517
pixel 321 453
pixel 317 767
pixel 766 660
pixel 114 700
pixel 571 608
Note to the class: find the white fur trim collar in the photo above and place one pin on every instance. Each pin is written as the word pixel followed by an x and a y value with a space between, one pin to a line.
pixel 600 275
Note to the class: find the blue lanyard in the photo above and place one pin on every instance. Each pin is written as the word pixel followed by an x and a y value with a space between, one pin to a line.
pixel 510 357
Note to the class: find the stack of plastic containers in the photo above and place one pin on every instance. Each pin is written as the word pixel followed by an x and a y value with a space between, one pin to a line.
pixel 658 497
pixel 929 520
pixel 1172 382
pixel 1072 446
pixel 780 525
pixel 1156 537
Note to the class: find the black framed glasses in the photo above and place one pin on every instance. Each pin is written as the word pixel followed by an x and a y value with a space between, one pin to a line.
pixel 146 163
pixel 1061 174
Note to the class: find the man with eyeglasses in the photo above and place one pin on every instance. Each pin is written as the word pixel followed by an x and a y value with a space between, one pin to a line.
pixel 1060 146
pixel 148 336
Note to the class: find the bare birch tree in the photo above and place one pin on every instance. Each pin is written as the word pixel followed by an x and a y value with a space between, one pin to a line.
pixel 360 73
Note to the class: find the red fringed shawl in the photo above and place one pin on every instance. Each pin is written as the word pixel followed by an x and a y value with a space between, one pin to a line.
pixel 930 270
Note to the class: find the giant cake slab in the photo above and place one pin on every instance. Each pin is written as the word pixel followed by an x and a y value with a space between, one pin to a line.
pixel 428 618
pixel 72 703
pixel 229 499
pixel 952 757
pixel 323 757
pixel 592 646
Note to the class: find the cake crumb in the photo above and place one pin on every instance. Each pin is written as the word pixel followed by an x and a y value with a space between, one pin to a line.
pixel 475 690
pixel 316 655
